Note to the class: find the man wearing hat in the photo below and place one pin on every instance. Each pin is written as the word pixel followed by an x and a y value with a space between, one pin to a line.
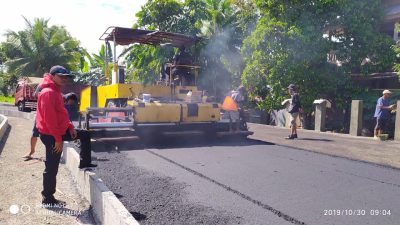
pixel 382 113
pixel 294 110
pixel 54 126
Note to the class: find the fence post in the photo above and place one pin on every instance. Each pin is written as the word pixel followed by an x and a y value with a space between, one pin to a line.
pixel 320 114
pixel 397 124
pixel 356 117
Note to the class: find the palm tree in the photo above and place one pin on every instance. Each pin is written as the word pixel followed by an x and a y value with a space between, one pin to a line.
pixel 93 66
pixel 220 15
pixel 221 49
pixel 98 61
pixel 35 49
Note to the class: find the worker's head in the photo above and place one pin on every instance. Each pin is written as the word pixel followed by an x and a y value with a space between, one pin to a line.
pixel 386 94
pixel 60 75
pixel 70 98
pixel 291 88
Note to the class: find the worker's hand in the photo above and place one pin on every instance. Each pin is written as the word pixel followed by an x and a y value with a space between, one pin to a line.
pixel 392 107
pixel 58 147
pixel 73 133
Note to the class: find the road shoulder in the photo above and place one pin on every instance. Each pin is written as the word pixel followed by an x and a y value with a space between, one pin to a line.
pixel 21 184
pixel 365 149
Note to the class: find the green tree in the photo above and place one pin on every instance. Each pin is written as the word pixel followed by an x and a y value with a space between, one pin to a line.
pixel 396 49
pixel 2 55
pixel 7 82
pixel 172 16
pixel 39 46
pixel 220 48
pixel 226 25
pixel 144 61
pixel 222 24
pixel 291 42
pixel 93 66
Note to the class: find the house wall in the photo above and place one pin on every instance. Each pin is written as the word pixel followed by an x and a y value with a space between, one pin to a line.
pixel 392 10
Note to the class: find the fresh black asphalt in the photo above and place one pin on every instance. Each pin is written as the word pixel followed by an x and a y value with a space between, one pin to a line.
pixel 189 180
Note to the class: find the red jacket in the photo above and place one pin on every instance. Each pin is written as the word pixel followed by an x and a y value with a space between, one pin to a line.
pixel 52 117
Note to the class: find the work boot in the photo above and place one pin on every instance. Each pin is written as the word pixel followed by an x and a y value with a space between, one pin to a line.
pixel 81 166
pixel 294 135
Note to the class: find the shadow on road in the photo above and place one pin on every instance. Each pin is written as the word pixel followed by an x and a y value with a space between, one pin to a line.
pixel 138 216
pixel 118 195
pixel 315 139
pixel 115 145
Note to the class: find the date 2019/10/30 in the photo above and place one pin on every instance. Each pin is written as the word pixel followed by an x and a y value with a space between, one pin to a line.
pixel 356 212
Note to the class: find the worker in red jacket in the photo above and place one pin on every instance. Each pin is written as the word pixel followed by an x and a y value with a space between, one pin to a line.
pixel 54 126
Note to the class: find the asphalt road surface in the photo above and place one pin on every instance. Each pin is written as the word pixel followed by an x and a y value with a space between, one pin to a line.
pixel 196 181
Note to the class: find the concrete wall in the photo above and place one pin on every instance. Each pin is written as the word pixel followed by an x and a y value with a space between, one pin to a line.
pixel 3 125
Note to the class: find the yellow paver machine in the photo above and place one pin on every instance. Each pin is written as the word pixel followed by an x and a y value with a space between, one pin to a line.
pixel 171 105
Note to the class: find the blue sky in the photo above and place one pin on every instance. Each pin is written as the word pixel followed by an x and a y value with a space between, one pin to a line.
pixel 86 20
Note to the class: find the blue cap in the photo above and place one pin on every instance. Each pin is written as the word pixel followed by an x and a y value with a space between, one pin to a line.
pixel 59 70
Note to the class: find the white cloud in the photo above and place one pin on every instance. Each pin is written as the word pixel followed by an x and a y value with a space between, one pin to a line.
pixel 86 20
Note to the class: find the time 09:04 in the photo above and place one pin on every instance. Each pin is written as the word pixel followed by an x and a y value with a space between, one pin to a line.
pixel 356 212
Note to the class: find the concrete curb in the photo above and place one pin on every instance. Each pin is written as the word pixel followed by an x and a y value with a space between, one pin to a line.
pixel 3 125
pixel 15 113
pixel 107 209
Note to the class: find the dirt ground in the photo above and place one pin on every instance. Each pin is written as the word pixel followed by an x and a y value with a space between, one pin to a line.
pixel 21 184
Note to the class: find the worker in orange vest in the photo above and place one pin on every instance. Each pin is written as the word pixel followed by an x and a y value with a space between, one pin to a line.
pixel 232 105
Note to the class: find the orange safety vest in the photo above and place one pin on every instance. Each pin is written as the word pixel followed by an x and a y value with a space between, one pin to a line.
pixel 229 104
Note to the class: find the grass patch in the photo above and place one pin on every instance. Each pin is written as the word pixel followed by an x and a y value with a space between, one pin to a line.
pixel 7 99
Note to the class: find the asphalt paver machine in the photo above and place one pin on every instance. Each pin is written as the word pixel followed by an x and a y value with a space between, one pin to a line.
pixel 166 107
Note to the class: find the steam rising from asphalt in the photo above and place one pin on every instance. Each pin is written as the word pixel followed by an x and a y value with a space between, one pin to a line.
pixel 223 62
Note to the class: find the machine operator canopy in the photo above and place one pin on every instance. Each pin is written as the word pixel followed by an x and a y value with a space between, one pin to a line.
pixel 126 36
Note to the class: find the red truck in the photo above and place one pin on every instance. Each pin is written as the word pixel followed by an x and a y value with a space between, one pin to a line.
pixel 24 93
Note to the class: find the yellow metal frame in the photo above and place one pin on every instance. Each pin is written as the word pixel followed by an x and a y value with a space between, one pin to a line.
pixel 85 99
pixel 173 113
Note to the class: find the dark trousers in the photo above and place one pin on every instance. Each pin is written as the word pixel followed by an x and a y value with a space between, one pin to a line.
pixel 53 159
pixel 381 124
pixel 85 148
